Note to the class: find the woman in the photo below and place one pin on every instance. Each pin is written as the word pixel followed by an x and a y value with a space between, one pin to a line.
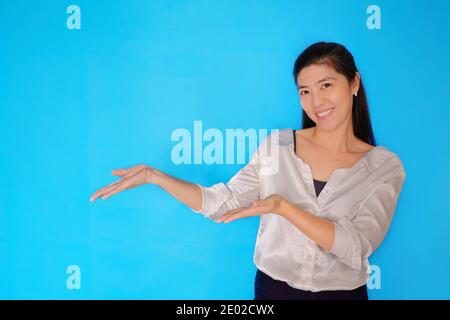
pixel 330 202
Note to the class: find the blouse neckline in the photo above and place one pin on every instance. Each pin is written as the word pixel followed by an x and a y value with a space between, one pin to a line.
pixel 355 165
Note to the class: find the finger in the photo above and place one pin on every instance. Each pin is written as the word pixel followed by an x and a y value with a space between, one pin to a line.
pixel 262 203
pixel 237 210
pixel 106 189
pixel 112 189
pixel 243 214
pixel 120 188
pixel 112 186
pixel 225 216
pixel 130 172
pixel 232 218
pixel 119 172
pixel 127 172
pixel 229 213
pixel 97 194
pixel 257 203
pixel 228 217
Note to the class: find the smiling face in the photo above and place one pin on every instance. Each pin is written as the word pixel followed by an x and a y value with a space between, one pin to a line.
pixel 326 96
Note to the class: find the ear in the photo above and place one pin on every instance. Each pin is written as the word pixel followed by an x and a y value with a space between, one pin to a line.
pixel 356 83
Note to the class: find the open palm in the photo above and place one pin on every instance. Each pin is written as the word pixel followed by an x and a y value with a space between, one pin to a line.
pixel 131 177
pixel 258 207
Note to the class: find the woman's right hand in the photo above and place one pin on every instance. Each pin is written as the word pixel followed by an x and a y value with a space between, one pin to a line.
pixel 131 177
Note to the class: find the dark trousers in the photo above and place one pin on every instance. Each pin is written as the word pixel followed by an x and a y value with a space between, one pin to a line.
pixel 267 288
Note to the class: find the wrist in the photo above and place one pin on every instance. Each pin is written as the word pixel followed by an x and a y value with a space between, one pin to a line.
pixel 282 207
pixel 153 176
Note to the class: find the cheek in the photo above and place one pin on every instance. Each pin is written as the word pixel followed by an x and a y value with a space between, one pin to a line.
pixel 339 101
pixel 335 99
pixel 305 104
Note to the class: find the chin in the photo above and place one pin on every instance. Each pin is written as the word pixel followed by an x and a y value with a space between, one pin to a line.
pixel 327 127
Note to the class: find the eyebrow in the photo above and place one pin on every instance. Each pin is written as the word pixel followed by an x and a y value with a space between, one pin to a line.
pixel 321 80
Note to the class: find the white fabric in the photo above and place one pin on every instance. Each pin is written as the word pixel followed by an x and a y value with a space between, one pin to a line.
pixel 359 200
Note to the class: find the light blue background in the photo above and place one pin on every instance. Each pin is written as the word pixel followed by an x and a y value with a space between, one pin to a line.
pixel 75 104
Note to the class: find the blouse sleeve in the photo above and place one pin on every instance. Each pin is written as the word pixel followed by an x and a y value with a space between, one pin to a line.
pixel 240 191
pixel 357 238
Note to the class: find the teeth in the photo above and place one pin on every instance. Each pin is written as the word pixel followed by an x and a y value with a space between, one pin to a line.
pixel 324 113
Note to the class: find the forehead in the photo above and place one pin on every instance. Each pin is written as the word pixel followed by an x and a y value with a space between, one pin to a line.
pixel 315 72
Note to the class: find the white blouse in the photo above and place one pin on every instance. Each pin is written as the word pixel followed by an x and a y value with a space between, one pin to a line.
pixel 359 200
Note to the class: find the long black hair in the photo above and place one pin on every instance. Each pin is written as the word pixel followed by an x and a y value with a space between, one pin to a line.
pixel 338 57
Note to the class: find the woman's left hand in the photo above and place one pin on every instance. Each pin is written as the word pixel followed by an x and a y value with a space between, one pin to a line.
pixel 271 204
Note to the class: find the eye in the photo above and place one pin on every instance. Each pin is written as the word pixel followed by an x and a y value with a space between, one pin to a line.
pixel 303 92
pixel 327 84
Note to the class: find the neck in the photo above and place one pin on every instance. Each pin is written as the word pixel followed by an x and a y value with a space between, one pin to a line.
pixel 337 141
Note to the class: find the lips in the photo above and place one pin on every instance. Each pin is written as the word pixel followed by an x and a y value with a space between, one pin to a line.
pixel 324 114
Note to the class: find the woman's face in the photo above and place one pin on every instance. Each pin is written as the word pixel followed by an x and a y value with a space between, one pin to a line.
pixel 326 96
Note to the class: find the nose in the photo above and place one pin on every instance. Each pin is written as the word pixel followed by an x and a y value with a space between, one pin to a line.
pixel 316 100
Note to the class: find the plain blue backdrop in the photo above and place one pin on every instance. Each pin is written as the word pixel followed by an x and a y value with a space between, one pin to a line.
pixel 75 104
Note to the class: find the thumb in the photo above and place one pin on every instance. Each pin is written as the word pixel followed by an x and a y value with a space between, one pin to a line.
pixel 256 203
pixel 119 172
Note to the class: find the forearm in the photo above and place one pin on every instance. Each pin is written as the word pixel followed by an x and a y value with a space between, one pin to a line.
pixel 320 230
pixel 188 193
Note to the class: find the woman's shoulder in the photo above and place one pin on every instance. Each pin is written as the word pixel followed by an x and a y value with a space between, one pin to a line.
pixel 304 133
pixel 280 137
pixel 285 136
pixel 382 158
